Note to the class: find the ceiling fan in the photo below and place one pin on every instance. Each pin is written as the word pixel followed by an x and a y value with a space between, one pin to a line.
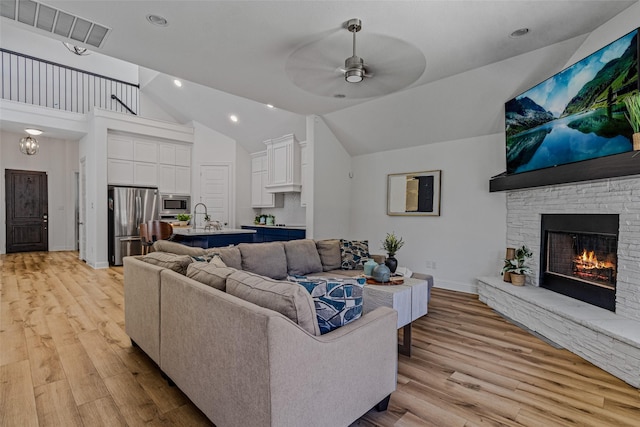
pixel 392 64
pixel 354 68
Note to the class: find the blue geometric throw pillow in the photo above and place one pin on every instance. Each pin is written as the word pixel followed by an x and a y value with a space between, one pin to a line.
pixel 354 254
pixel 337 301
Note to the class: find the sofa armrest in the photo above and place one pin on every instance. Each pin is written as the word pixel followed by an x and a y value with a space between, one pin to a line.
pixel 142 305
pixel 354 367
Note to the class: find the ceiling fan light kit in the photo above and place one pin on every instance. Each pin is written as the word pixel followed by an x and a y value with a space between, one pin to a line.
pixel 354 71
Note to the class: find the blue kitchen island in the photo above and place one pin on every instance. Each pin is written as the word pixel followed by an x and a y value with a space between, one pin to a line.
pixel 207 238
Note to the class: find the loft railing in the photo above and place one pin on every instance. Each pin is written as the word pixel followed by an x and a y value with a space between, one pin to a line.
pixel 48 84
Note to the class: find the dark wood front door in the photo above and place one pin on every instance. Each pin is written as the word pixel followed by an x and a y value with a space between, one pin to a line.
pixel 27 211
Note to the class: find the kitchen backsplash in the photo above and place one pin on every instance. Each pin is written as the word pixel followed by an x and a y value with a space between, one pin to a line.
pixel 290 214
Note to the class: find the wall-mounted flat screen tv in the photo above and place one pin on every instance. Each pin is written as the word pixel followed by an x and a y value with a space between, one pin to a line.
pixel 578 114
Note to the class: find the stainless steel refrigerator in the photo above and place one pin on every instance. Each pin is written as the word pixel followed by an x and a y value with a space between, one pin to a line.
pixel 128 208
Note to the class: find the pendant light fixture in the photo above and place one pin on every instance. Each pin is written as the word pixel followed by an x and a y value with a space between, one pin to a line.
pixel 29 145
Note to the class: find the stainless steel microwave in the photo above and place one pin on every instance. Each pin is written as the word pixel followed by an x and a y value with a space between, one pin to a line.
pixel 171 204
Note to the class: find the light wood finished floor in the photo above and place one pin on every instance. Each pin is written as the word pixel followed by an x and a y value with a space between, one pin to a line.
pixel 65 360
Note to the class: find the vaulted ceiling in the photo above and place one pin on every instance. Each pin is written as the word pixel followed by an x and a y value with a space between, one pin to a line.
pixel 236 56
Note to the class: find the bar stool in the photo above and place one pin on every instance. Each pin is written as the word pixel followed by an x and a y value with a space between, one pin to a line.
pixel 152 231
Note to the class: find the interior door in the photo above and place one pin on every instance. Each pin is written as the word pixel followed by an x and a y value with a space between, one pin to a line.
pixel 27 211
pixel 215 191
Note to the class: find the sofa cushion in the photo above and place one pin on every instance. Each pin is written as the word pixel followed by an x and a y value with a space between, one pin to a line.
pixel 337 301
pixel 176 248
pixel 354 253
pixel 286 298
pixel 209 274
pixel 265 259
pixel 302 257
pixel 177 263
pixel 329 252
pixel 230 255
pixel 217 261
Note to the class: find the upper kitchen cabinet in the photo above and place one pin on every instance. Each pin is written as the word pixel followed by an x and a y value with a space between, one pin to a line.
pixel 283 164
pixel 174 170
pixel 260 198
pixel 131 161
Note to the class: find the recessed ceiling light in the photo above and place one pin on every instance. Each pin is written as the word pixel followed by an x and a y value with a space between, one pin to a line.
pixel 519 33
pixel 157 20
pixel 270 106
pixel 233 118
pixel 33 131
pixel 177 82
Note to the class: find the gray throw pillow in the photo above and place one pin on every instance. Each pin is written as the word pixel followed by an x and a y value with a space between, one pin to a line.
pixel 287 298
pixel 230 256
pixel 266 259
pixel 329 251
pixel 209 274
pixel 177 263
pixel 302 257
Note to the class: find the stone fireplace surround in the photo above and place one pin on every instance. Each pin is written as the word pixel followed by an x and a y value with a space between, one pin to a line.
pixel 608 340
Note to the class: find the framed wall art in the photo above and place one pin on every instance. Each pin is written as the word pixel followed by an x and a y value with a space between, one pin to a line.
pixel 414 193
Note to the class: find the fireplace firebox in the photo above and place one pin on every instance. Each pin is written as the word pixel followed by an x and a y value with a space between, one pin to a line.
pixel 579 257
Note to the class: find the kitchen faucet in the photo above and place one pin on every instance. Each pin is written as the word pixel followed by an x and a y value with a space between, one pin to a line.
pixel 195 212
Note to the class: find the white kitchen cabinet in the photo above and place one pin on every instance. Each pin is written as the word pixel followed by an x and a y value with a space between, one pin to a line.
pixel 183 155
pixel 120 171
pixel 183 180
pixel 167 154
pixel 167 179
pixel 283 165
pixel 260 198
pixel 120 147
pixel 174 169
pixel 145 151
pixel 145 174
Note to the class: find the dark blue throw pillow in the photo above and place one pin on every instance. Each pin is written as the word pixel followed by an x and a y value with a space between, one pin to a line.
pixel 337 301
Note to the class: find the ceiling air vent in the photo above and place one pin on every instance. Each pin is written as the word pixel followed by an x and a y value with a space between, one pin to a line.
pixel 52 20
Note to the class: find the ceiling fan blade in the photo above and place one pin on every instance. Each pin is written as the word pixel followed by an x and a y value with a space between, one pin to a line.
pixel 391 64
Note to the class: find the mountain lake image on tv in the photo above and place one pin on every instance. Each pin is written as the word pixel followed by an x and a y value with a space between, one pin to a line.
pixel 578 114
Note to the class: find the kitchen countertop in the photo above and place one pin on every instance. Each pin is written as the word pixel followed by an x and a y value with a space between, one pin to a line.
pixel 188 231
pixel 285 227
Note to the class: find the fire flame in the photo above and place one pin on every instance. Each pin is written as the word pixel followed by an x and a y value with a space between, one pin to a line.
pixel 588 260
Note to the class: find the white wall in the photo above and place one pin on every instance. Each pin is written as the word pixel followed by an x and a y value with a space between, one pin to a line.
pixel 59 159
pixel 332 186
pixel 211 148
pixel 244 212
pixel 467 240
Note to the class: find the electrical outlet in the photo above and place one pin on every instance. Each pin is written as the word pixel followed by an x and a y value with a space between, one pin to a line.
pixel 430 264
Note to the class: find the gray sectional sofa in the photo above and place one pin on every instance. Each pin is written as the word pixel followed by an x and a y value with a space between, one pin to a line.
pixel 245 347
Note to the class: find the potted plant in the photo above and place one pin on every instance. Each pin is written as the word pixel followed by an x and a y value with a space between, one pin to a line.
pixel 183 218
pixel 392 244
pixel 271 219
pixel 633 108
pixel 517 267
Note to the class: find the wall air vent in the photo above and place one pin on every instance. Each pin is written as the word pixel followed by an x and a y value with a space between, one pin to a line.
pixel 52 20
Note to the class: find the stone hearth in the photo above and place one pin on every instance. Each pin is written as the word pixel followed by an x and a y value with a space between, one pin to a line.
pixel 608 340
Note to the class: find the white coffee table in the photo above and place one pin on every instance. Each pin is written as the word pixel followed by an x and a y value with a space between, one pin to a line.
pixel 410 300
